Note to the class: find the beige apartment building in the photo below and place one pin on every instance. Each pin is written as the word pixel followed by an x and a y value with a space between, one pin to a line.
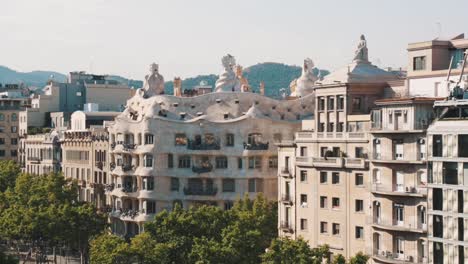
pixel 398 214
pixel 324 173
pixel 9 126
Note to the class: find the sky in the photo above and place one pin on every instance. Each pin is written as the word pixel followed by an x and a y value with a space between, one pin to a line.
pixel 188 38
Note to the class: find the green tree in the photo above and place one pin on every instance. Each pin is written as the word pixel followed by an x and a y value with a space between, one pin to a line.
pixel 339 259
pixel 9 171
pixel 359 258
pixel 287 251
pixel 110 249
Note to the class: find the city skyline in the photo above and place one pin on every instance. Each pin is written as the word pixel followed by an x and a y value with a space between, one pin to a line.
pixel 123 38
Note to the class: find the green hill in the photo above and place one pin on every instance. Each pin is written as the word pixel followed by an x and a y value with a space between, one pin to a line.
pixel 275 76
pixel 34 78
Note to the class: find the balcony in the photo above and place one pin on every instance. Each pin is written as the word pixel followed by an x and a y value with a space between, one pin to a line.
pixel 393 257
pixel 400 158
pixel 286 226
pixel 416 127
pixel 256 146
pixel 284 172
pixel 192 145
pixel 286 199
pixel 355 163
pixel 126 167
pixel 202 168
pixel 209 191
pixel 330 162
pixel 394 225
pixel 34 160
pixel 399 190
pixel 100 165
pixel 109 187
pixel 304 161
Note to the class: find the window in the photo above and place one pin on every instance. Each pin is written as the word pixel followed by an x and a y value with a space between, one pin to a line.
pixel 359 206
pixel 14 153
pixel 175 184
pixel 323 151
pixel 303 152
pixel 462 143
pixel 340 103
pixel 437 145
pixel 321 104
pixel 331 127
pixel 323 227
pixel 184 162
pixel 331 102
pixel 229 185
pixel 180 139
pixel 239 163
pixel 398 149
pixel 335 229
pixel 321 127
pixel 303 224
pixel 303 176
pixel 255 162
pixel 14 141
pixel 228 205
pixel 148 161
pixel 150 207
pixel 221 162
pixel 335 177
pixel 14 129
pixel 230 140
pixel 323 202
pixel 359 152
pixel 376 176
pixel 359 179
pixel 419 63
pixel 335 203
pixel 148 183
pixel 303 199
pixel 340 127
pixel 357 104
pixel 14 117
pixel 273 162
pixel 359 232
pixel 323 177
pixel 170 160
pixel 149 139
pixel 2 117
pixel 2 153
pixel 252 185
pixel 450 173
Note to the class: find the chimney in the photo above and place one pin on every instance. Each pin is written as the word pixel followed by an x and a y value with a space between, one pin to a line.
pixel 177 86
pixel 262 88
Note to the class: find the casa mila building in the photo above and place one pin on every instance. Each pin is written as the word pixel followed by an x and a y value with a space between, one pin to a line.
pixel 196 148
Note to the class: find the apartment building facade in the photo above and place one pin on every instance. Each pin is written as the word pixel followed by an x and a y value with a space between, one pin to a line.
pixel 448 183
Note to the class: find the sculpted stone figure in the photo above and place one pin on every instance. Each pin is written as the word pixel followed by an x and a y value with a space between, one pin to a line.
pixel 361 53
pixel 228 82
pixel 154 82
pixel 301 86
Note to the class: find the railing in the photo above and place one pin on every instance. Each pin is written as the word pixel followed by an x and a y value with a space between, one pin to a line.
pixel 328 162
pixel 409 224
pixel 112 165
pixel 202 169
pixel 109 187
pixel 356 135
pixel 203 146
pixel 355 163
pixel 398 189
pixel 304 135
pixel 199 191
pixel 256 146
pixel 286 198
pixel 100 165
pixel 126 167
pixel 129 213
pixel 129 189
pixel 286 226
pixel 393 256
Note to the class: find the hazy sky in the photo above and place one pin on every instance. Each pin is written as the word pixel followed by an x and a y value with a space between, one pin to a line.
pixel 188 38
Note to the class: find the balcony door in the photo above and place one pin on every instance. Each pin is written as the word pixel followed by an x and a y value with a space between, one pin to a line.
pixel 399 214
pixel 399 181
pixel 400 250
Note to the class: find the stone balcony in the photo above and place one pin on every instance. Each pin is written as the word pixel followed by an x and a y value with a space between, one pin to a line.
pixel 193 145
pixel 208 191
pixel 286 172
pixel 410 225
pixel 256 146
pixel 331 162
pixel 355 163
pixel 286 199
pixel 397 190
pixel 304 161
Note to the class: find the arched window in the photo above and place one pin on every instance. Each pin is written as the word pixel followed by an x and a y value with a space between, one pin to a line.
pixel 14 117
